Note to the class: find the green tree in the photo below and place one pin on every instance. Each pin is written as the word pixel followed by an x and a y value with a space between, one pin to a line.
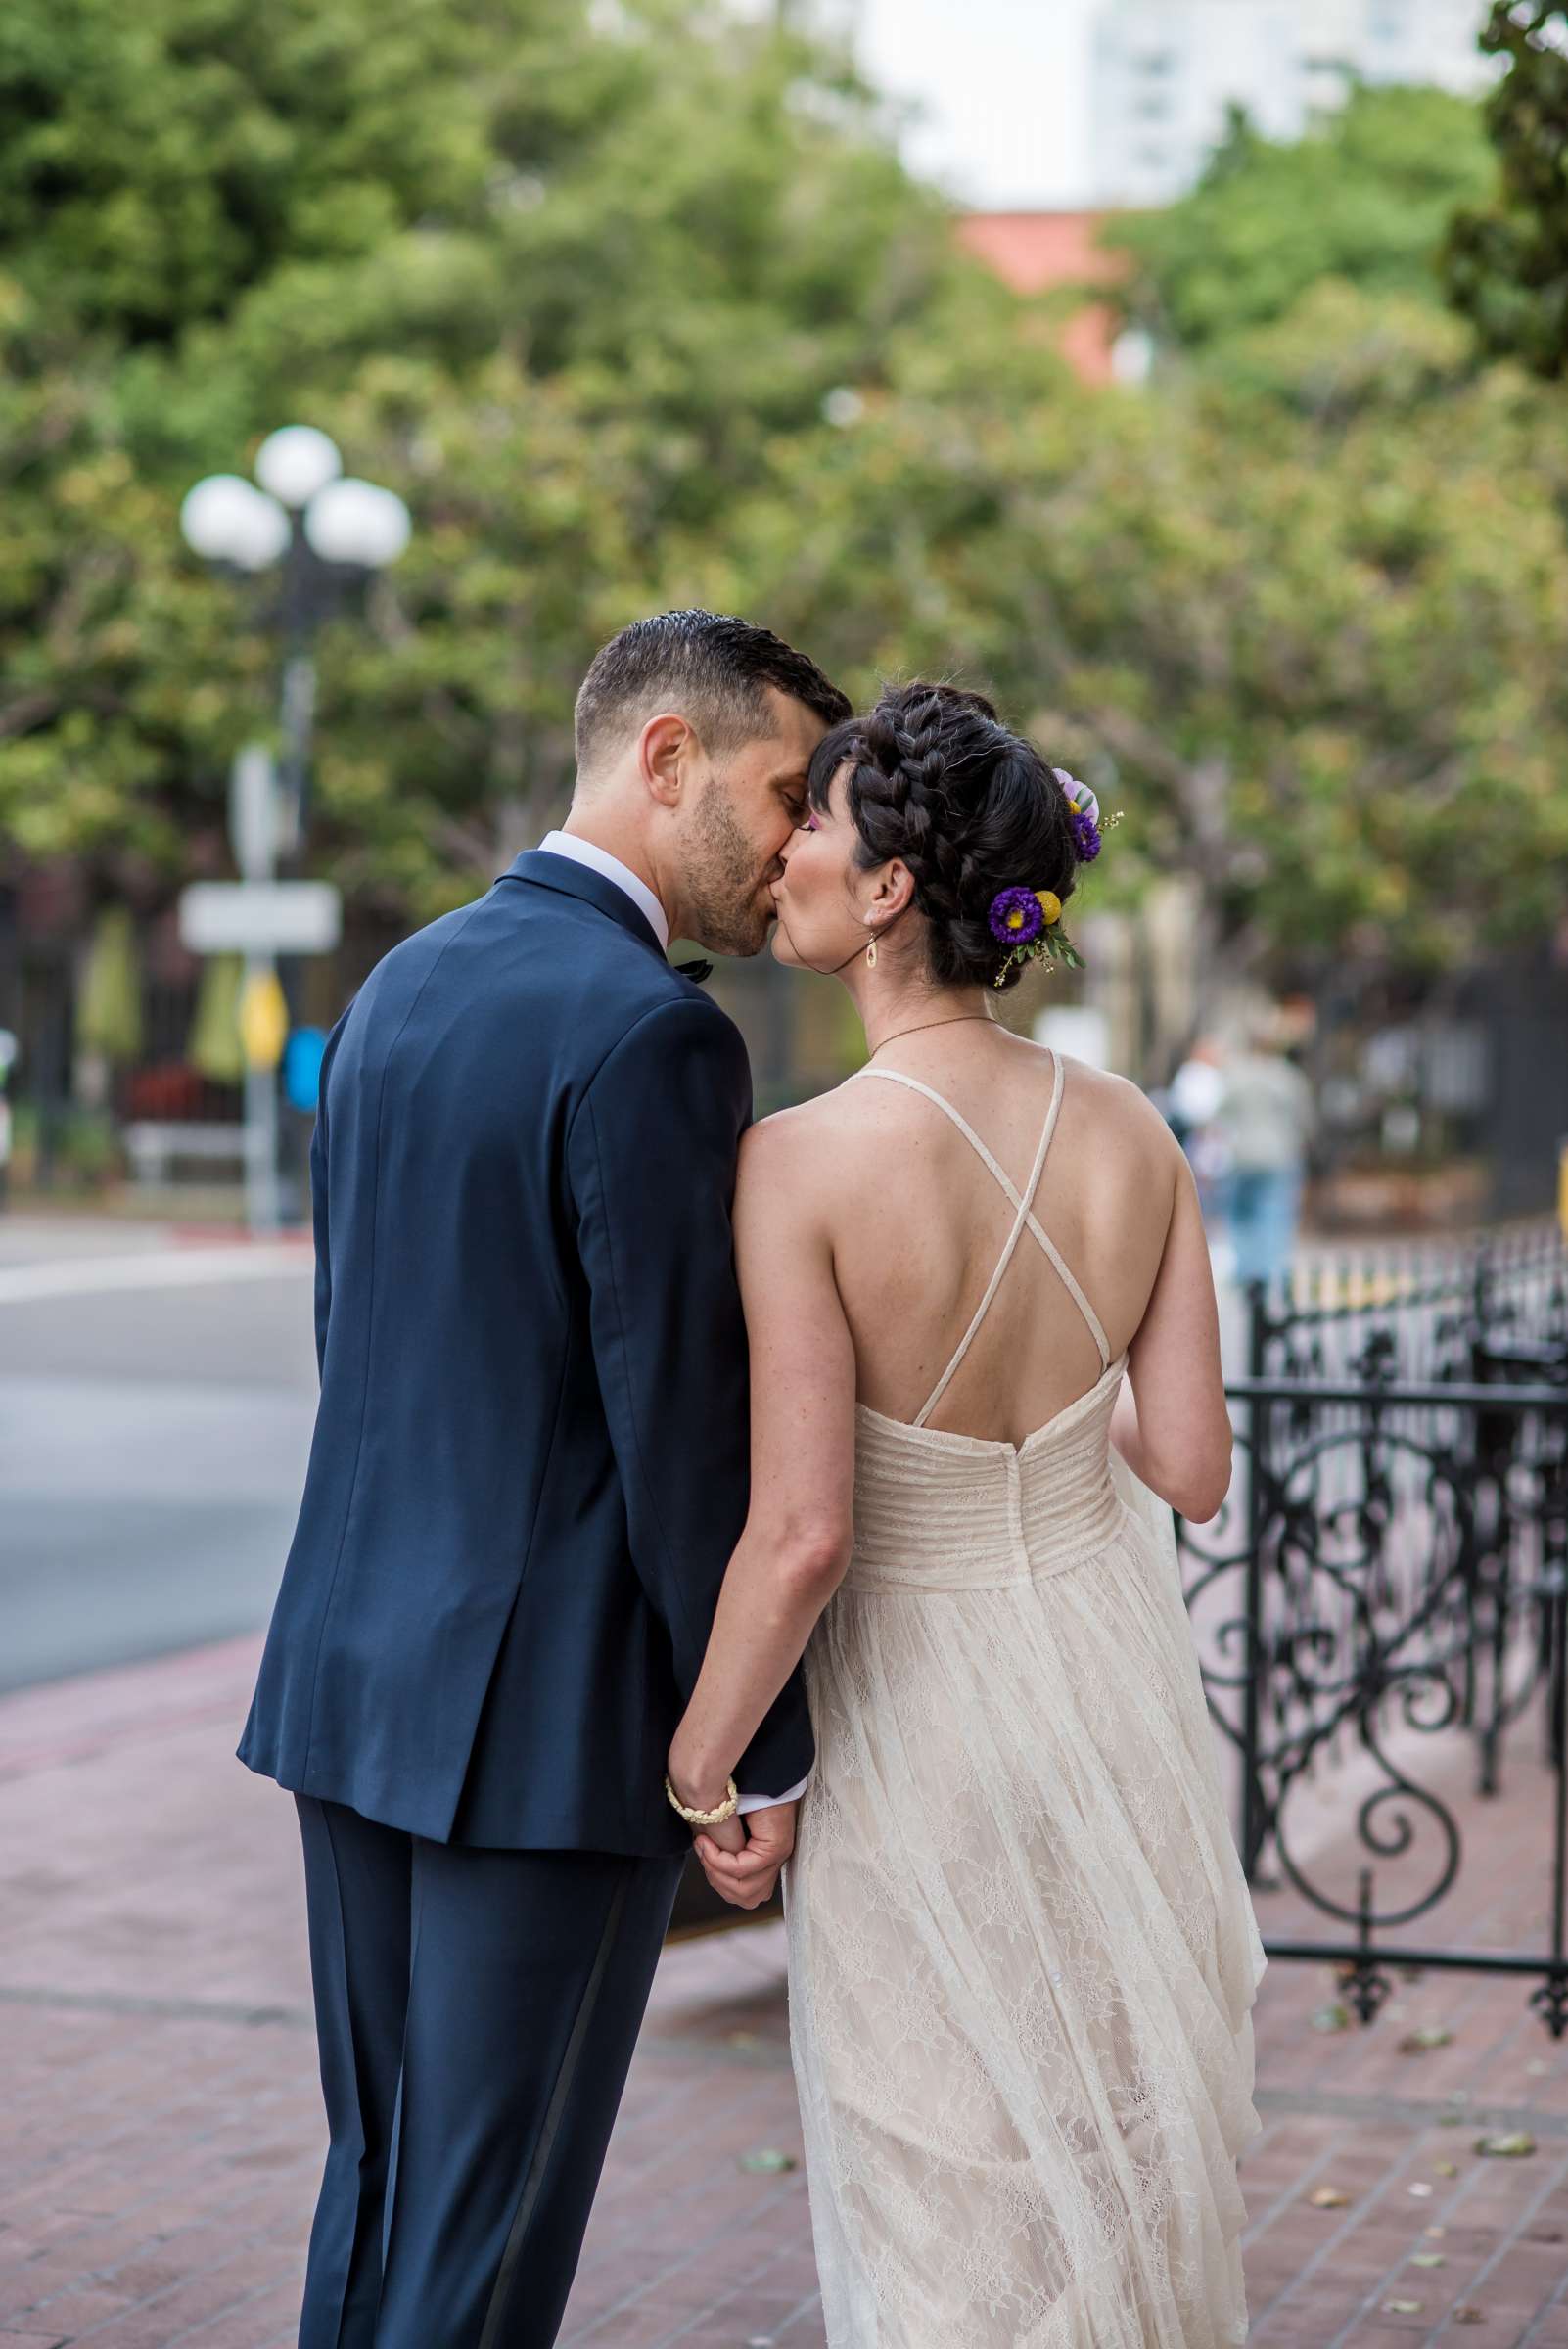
pixel 1506 263
pixel 558 274
pixel 1305 631
pixel 1366 197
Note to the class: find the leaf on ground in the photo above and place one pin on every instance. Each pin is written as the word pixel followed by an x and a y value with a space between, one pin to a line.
pixel 768 2159
pixel 1430 2034
pixel 1447 2169
pixel 1404 2308
pixel 1327 2197
pixel 1513 2144
pixel 1434 2232
pixel 1467 2313
pixel 1422 2187
pixel 1335 2017
pixel 1427 2259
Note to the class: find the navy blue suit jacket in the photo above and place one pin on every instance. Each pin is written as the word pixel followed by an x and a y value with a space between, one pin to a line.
pixel 531 1456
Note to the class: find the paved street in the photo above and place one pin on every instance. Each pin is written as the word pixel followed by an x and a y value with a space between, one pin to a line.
pixel 163 2133
pixel 157 1390
pixel 156 1402
pixel 162 2130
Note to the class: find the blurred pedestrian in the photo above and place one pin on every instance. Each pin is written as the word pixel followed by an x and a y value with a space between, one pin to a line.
pixel 1192 1105
pixel 1264 1119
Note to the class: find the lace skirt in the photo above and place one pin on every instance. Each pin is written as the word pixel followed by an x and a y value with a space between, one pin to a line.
pixel 1023 1961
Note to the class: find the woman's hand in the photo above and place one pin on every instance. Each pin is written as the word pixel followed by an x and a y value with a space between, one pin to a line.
pixel 747 1877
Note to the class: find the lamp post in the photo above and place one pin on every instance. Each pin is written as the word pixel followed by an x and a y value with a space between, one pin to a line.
pixel 325 535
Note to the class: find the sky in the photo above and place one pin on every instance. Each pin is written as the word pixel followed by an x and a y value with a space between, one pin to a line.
pixel 1005 87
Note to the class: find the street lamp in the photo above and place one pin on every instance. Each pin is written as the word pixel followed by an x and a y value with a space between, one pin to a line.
pixel 327 535
pixel 329 532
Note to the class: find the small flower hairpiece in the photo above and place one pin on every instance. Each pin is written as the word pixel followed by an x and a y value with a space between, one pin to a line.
pixel 1029 921
pixel 1089 827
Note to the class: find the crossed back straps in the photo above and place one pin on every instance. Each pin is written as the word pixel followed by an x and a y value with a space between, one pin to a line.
pixel 1024 1220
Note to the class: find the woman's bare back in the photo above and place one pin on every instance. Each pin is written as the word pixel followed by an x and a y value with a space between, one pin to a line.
pixel 917 1225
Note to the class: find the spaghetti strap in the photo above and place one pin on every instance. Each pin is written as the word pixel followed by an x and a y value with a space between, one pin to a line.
pixel 1024 1220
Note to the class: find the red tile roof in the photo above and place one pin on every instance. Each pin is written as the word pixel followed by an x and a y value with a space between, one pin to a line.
pixel 1034 251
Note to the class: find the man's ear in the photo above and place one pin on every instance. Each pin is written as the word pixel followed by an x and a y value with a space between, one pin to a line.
pixel 665 753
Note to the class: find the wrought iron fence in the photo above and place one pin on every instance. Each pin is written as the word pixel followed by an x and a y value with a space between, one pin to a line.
pixel 1417 1312
pixel 1392 1563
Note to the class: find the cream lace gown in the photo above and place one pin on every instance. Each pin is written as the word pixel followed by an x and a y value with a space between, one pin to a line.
pixel 1021 1954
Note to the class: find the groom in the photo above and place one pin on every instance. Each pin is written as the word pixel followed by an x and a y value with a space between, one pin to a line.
pixel 529 1472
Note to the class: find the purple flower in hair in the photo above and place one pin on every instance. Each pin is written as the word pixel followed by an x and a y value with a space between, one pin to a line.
pixel 1017 917
pixel 1085 837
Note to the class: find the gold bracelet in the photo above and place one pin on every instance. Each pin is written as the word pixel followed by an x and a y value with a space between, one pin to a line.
pixel 704 1819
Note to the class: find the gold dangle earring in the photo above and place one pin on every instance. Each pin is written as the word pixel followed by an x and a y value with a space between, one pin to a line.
pixel 871 953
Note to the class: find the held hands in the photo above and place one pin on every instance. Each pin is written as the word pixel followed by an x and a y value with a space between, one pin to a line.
pixel 741 1859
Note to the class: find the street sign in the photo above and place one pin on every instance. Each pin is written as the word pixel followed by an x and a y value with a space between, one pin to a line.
pixel 261 917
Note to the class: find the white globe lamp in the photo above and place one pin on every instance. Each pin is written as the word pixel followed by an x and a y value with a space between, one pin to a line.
pixel 357 523
pixel 297 461
pixel 225 519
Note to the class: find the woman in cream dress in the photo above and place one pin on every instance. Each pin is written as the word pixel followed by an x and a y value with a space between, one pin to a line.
pixel 986 1366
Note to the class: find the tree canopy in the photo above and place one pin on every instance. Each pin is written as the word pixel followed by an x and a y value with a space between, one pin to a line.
pixel 1507 262
pixel 635 306
pixel 1365 198
pixel 555 273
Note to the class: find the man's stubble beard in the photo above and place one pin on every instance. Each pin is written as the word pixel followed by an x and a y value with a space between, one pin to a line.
pixel 722 878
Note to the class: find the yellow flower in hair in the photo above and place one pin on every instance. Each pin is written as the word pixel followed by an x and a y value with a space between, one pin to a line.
pixel 1050 906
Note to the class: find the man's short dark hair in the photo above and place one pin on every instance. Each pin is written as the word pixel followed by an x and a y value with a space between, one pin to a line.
pixel 710 669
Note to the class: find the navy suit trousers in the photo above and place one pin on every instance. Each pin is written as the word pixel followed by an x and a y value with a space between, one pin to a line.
pixel 477 2011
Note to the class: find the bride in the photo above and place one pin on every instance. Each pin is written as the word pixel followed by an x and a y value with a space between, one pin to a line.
pixel 1021 1956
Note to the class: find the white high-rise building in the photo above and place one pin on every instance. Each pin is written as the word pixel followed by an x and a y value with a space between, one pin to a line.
pixel 1165 70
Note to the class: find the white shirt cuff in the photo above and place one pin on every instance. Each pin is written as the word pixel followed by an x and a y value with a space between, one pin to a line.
pixel 765 1802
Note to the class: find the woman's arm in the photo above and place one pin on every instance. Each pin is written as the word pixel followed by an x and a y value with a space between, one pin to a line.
pixel 1170 1423
pixel 795 1543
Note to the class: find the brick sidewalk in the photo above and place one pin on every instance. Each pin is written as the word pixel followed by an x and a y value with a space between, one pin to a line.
pixel 161 2133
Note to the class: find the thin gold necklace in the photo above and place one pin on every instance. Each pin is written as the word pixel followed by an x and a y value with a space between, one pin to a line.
pixel 954 1019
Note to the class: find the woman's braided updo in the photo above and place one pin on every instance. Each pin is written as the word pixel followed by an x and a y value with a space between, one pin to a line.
pixel 972 810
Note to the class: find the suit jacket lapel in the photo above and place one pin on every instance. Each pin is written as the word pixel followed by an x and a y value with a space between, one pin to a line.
pixel 572 880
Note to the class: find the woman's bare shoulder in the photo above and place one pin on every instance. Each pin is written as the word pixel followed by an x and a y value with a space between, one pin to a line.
pixel 1118 1106
pixel 777 1148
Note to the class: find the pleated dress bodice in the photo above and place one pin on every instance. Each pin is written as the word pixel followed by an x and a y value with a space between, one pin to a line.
pixel 939 1511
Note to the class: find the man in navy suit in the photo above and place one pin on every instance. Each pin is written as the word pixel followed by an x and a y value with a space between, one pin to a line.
pixel 529 1472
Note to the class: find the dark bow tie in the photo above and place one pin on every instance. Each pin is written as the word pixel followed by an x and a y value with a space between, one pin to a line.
pixel 699 972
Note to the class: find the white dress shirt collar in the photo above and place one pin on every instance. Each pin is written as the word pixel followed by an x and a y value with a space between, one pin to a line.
pixel 599 861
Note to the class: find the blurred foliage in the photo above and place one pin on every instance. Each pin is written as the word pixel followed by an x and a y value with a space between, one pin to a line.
pixel 558 274
pixel 1508 263
pixel 109 1006
pixel 636 307
pixel 1333 583
pixel 1311 640
pixel 1365 196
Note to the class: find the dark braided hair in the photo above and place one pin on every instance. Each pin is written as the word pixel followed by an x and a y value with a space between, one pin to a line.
pixel 938 782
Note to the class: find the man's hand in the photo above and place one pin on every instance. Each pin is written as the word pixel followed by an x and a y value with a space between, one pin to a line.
pixel 746 1873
